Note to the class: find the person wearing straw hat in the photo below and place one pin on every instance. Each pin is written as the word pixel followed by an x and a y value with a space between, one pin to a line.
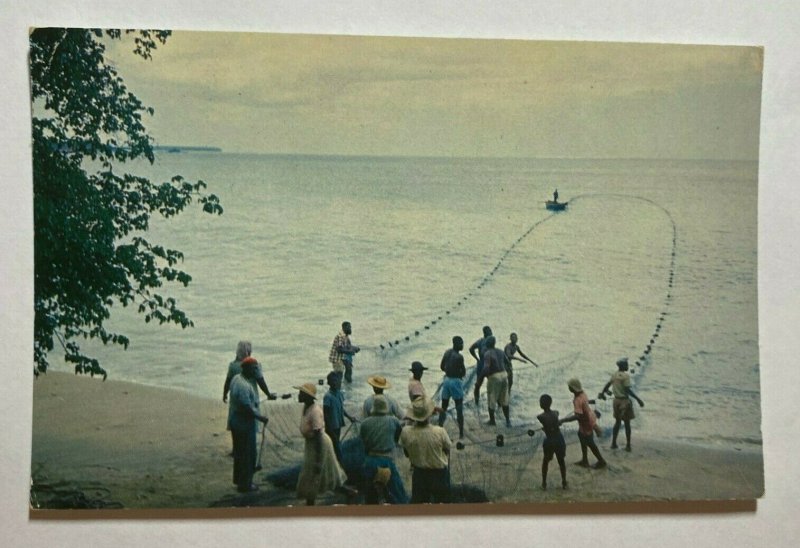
pixel 428 449
pixel 379 384
pixel 620 384
pixel 380 432
pixel 587 424
pixel 415 387
pixel 496 372
pixel 453 385
pixel 321 471
pixel 243 412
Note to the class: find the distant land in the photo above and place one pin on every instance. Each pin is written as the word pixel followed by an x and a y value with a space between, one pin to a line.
pixel 181 148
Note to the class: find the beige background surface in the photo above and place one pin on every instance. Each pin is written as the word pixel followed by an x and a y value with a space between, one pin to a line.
pixel 771 24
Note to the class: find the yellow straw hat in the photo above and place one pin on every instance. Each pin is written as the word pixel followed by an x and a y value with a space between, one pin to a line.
pixel 308 388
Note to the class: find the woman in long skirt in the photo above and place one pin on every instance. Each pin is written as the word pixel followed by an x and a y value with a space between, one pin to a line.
pixel 321 471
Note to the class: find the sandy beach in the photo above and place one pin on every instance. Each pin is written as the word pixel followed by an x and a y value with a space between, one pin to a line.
pixel 139 447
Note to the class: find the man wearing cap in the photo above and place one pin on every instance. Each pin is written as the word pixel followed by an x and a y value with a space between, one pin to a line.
pixel 620 384
pixel 334 411
pixel 243 412
pixel 380 432
pixel 342 351
pixel 428 449
pixel 587 424
pixel 476 351
pixel 379 384
pixel 496 372
pixel 453 385
pixel 415 388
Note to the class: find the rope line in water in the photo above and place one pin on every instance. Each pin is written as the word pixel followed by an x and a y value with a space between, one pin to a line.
pixel 393 344
pixel 515 439
pixel 644 358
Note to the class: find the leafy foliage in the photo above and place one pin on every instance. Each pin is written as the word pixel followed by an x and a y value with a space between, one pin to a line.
pixel 89 222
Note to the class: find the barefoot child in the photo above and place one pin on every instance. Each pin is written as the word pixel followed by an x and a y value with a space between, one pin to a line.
pixel 554 443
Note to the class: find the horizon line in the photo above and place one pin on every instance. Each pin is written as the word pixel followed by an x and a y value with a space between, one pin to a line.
pixel 218 150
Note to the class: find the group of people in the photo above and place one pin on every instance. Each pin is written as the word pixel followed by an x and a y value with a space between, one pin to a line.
pixel 554 445
pixel 386 424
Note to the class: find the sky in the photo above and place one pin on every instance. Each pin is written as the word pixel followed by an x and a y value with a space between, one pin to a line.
pixel 392 96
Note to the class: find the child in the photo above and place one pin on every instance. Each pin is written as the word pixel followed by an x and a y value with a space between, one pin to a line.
pixel 554 443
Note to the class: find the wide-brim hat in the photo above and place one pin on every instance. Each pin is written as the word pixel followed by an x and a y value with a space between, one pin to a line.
pixel 417 366
pixel 378 382
pixel 308 388
pixel 420 410
pixel 379 405
pixel 575 385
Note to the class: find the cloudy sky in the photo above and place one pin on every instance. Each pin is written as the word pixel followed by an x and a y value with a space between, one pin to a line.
pixel 282 93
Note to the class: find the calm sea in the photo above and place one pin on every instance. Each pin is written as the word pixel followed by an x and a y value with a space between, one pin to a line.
pixel 425 249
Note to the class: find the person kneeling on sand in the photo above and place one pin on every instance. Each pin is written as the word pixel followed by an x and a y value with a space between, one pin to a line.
pixel 242 416
pixel 587 424
pixel 428 449
pixel 554 442
pixel 321 471
pixel 380 433
pixel 620 384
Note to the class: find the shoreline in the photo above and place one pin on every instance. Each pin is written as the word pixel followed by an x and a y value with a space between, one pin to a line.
pixel 154 448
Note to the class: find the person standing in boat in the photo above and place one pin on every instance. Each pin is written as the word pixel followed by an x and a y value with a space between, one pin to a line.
pixel 555 195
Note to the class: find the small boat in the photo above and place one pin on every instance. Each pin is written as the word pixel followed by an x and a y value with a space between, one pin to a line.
pixel 555 206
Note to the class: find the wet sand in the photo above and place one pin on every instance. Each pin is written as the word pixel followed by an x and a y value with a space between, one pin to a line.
pixel 153 448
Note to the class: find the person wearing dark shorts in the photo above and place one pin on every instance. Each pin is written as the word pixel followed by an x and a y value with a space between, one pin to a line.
pixel 620 384
pixel 476 351
pixel 553 444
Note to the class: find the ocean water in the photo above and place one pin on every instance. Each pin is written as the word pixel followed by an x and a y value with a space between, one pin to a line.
pixel 415 250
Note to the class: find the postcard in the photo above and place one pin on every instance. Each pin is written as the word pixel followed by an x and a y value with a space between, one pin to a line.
pixel 362 274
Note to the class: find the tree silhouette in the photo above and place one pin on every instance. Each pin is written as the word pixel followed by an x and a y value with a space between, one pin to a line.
pixel 90 220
